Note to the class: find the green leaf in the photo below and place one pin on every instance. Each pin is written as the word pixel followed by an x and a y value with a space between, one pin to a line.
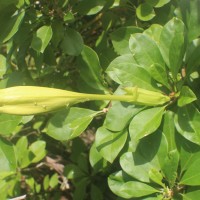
pixel 145 51
pixel 192 174
pixel 122 113
pixel 149 154
pixel 46 182
pixel 154 32
pixel 145 12
pixel 3 65
pixel 170 167
pixel 42 38
pixel 109 144
pixel 53 182
pixel 10 23
pixel 169 129
pixel 96 193
pixel 72 43
pixel 38 150
pixel 145 123
pixel 156 176
pixel 22 153
pixel 7 158
pixel 97 162
pixel 172 45
pixel 158 3
pixel 188 11
pixel 159 73
pixel 191 195
pixel 8 123
pixel 193 55
pixel 187 123
pixel 128 189
pixel 186 96
pixel 70 123
pixel 125 70
pixel 120 38
pixel 90 69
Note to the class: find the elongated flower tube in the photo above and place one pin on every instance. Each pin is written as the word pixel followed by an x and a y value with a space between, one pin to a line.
pixel 29 100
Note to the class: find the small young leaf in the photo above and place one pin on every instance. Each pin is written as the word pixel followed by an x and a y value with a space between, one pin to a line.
pixel 186 96
pixel 156 177
pixel 42 38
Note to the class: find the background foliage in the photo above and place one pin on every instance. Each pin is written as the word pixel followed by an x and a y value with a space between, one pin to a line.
pixel 125 151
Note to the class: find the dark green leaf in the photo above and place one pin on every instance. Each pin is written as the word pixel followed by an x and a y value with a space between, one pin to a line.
pixel 186 96
pixel 120 38
pixel 72 43
pixel 187 123
pixel 10 24
pixel 90 69
pixel 109 144
pixel 145 12
pixel 145 123
pixel 188 11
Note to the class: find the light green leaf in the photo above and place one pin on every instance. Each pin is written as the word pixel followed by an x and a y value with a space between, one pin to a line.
pixel 145 123
pixel 42 38
pixel 172 45
pixel 38 150
pixel 145 51
pixel 154 32
pixel 186 96
pixel 192 174
pixel 8 123
pixel 90 69
pixel 53 182
pixel 191 195
pixel 124 70
pixel 7 158
pixel 187 123
pixel 145 12
pixel 70 123
pixel 72 43
pixel 156 176
pixel 120 38
pixel 3 65
pixel 109 144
